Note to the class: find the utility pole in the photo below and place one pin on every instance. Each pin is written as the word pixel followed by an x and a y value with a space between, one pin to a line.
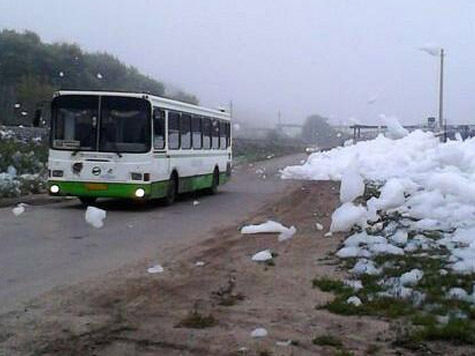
pixel 441 90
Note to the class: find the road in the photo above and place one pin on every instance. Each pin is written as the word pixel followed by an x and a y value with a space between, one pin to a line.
pixel 51 245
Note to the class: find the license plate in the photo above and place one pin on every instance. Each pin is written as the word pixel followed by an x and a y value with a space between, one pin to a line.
pixel 96 186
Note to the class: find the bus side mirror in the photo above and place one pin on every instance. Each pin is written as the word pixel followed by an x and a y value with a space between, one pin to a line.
pixel 37 118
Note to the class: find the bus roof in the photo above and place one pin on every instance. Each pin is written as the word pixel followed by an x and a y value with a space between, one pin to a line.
pixel 159 101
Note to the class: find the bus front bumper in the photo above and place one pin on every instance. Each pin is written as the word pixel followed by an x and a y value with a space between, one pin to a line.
pixel 95 189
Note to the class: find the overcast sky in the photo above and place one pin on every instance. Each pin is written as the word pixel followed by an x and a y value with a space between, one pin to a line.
pixel 337 58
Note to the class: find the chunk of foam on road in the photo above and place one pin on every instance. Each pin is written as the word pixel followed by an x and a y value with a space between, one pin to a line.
pixel 270 226
pixel 411 278
pixel 262 256
pixel 399 238
pixel 155 269
pixel 354 300
pixel 355 284
pixel 287 234
pixel 18 210
pixel 259 332
pixel 386 249
pixel 353 251
pixel 352 185
pixel 346 216
pixel 364 266
pixel 95 216
pixel 394 129
pixel 392 196
pixel 362 238
pixel 457 293
pixel 319 226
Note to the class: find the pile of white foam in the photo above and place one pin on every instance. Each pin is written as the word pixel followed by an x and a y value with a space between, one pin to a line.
pixel 431 182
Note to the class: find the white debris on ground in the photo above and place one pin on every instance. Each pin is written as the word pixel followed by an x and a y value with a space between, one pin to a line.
pixel 196 203
pixel 270 227
pixel 352 185
pixel 284 343
pixel 422 179
pixel 19 209
pixel 259 332
pixel 199 264
pixel 155 269
pixel 95 216
pixel 354 300
pixel 262 256
pixel 424 207
pixel 319 226
pixel 353 284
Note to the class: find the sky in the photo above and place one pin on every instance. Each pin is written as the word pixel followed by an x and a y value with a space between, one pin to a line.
pixel 341 59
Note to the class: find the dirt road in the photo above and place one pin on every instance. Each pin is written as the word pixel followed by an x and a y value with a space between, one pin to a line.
pixel 51 245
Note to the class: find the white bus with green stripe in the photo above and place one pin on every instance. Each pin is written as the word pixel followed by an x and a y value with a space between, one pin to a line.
pixel 135 145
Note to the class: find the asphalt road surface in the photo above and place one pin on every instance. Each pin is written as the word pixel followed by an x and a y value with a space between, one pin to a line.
pixel 51 245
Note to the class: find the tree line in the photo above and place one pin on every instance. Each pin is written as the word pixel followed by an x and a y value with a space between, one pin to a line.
pixel 31 70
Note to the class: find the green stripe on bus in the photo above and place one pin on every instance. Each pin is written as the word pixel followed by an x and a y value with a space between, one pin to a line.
pixel 127 190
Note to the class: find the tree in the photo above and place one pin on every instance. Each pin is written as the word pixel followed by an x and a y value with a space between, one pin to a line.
pixel 317 130
pixel 30 71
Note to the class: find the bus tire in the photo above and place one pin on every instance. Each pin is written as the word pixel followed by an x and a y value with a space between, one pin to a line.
pixel 172 190
pixel 215 182
pixel 86 201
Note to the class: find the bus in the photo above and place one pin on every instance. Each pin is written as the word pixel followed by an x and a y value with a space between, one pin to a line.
pixel 135 145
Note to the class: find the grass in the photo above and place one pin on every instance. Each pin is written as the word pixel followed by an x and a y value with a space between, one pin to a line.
pixel 331 285
pixel 195 320
pixel 327 340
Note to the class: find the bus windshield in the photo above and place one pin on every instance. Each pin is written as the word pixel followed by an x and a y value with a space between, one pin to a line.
pixel 124 124
pixel 74 122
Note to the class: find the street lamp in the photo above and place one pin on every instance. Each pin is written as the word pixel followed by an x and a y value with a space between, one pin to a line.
pixel 438 52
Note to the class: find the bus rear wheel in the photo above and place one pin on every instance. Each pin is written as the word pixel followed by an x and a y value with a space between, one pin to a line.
pixel 215 182
pixel 172 190
pixel 86 201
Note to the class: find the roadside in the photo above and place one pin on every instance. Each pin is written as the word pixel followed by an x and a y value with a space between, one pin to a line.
pixel 211 309
pixel 131 311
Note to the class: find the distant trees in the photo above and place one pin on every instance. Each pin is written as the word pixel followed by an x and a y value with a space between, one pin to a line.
pixel 30 71
pixel 317 130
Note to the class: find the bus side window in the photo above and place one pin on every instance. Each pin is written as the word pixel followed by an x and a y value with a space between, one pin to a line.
pixel 222 135
pixel 173 130
pixel 185 131
pixel 206 133
pixel 158 129
pixel 228 134
pixel 215 133
pixel 196 130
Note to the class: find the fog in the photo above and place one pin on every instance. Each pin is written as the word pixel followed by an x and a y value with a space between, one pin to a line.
pixel 339 59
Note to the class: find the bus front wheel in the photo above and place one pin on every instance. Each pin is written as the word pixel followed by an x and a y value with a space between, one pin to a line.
pixel 86 201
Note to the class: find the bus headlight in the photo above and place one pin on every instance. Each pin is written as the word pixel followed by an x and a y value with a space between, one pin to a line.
pixel 139 193
pixel 54 189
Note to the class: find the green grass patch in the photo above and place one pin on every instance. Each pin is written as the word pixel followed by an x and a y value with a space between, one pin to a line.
pixel 195 320
pixel 327 340
pixel 456 331
pixel 331 285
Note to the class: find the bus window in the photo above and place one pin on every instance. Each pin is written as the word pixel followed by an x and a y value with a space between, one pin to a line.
pixel 185 131
pixel 228 134
pixel 196 130
pixel 173 130
pixel 222 135
pixel 215 133
pixel 158 129
pixel 206 133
